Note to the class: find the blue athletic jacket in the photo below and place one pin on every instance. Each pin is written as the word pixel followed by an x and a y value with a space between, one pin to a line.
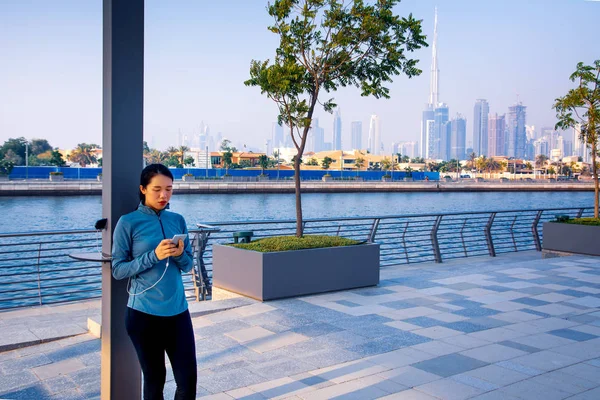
pixel 135 237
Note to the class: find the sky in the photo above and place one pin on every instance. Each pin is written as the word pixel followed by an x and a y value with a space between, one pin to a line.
pixel 198 55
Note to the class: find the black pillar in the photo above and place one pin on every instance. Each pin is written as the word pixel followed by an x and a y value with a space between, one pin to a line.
pixel 122 145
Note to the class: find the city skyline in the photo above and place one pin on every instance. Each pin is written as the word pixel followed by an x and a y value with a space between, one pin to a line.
pixel 51 75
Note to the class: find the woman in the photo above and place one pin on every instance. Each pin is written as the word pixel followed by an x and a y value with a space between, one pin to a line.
pixel 157 318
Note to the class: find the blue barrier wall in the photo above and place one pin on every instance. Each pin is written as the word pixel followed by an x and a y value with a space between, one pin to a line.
pixel 92 173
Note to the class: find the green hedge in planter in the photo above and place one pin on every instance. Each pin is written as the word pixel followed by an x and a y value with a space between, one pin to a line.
pixel 55 173
pixel 583 221
pixel 286 243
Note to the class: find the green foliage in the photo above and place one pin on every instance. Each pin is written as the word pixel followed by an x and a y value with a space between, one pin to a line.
pixel 287 243
pixel 263 162
pixel 83 154
pixel 189 161
pixel 581 107
pixel 326 162
pixel 386 164
pixel 245 164
pixel 325 45
pixel 56 159
pixel 39 146
pixel 313 161
pixel 583 221
pixel 6 167
pixel 14 150
pixel 56 173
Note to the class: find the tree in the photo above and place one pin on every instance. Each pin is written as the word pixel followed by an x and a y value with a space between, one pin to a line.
pixel 405 159
pixel 472 161
pixel 154 157
pixel 409 172
pixel 386 164
pixel 263 162
pixel 39 146
pixel 418 160
pixel 14 150
pixel 245 164
pixel 6 167
pixel 181 152
pixel 326 162
pixel 56 159
pixel 227 158
pixel 528 166
pixel 312 161
pixel 581 107
pixel 83 154
pixel 540 160
pixel 189 161
pixel 359 163
pixel 324 45
pixel 551 171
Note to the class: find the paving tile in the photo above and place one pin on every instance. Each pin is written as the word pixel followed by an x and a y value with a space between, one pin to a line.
pixel 348 371
pixel 316 329
pixel 495 395
pixel 556 309
pixel 346 390
pixel 399 358
pixel 275 341
pixel 449 389
pixel 347 303
pixel 399 304
pixel 448 317
pixel 531 301
pixel 493 353
pixel 328 357
pixel 476 312
pixel 465 341
pixel 553 297
pixel 572 335
pixel 464 326
pixel 593 394
pixel 10 382
pixel 497 334
pixel 248 334
pixel 488 322
pixel 565 382
pixel 373 331
pixel 532 390
pixel 437 348
pixel 388 343
pixel 229 380
pixel 409 376
pixel 424 322
pixel 587 301
pixel 58 368
pixel 477 383
pixel 505 306
pixel 520 346
pixel 280 369
pixel 582 370
pixel 402 325
pixel 410 394
pixel 449 365
pixel 523 369
pixel 543 341
pixel 546 360
pixel 497 375
pixel 437 332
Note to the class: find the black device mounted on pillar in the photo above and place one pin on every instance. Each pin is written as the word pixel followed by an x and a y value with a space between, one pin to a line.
pixel 101 224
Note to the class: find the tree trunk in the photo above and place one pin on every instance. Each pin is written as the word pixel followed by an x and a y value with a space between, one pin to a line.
pixel 596 186
pixel 299 223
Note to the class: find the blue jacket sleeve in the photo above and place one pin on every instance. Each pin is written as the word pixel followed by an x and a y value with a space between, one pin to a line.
pixel 185 261
pixel 123 264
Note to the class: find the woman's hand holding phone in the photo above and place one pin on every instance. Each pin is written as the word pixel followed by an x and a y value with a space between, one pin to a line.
pixel 166 248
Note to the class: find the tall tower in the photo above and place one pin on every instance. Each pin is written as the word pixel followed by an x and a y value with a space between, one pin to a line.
pixel 356 135
pixel 336 139
pixel 434 92
pixel 434 97
pixel 516 137
pixel 480 127
pixel 375 135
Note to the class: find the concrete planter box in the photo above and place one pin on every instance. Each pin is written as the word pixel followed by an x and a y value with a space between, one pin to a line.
pixel 571 238
pixel 228 178
pixel 407 179
pixel 3 178
pixel 56 178
pixel 268 276
pixel 386 179
pixel 188 178
pixel 262 178
pixel 99 178
pixel 327 178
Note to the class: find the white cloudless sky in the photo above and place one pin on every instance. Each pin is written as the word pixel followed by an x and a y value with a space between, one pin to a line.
pixel 198 55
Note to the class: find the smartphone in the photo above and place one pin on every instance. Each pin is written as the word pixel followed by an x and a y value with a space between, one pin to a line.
pixel 178 237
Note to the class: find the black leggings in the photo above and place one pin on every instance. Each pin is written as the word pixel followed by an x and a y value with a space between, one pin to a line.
pixel 152 336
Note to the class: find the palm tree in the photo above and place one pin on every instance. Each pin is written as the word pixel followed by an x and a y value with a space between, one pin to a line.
pixel 181 153
pixel 154 157
pixel 540 160
pixel 263 161
pixel 83 155
pixel 358 163
pixel 481 163
pixel 386 164
pixel 471 162
pixel 326 162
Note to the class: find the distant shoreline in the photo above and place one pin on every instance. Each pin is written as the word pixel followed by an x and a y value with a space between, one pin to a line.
pixel 79 188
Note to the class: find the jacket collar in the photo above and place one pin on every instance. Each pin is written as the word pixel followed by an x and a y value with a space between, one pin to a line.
pixel 147 210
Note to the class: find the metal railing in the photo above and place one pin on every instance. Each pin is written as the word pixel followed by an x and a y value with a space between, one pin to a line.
pixel 35 268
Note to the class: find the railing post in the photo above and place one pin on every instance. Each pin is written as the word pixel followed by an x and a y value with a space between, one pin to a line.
pixel 488 235
pixel 373 232
pixel 579 213
pixel 434 239
pixel 534 230
pixel 38 273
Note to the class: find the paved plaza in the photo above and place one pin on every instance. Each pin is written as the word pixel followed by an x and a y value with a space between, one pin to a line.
pixel 511 327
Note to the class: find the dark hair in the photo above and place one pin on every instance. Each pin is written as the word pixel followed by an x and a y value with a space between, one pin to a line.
pixel 150 172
